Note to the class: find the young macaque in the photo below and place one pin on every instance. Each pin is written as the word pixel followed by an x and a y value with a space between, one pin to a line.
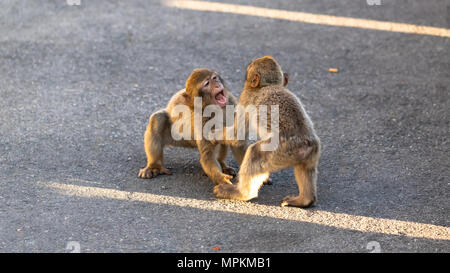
pixel 291 142
pixel 208 86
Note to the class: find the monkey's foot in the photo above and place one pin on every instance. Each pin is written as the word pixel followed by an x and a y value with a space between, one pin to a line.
pixel 296 201
pixel 149 172
pixel 228 191
pixel 228 170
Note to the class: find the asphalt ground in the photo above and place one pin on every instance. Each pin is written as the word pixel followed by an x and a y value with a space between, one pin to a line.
pixel 78 84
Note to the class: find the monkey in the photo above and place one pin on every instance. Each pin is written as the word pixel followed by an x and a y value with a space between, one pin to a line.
pixel 210 87
pixel 298 144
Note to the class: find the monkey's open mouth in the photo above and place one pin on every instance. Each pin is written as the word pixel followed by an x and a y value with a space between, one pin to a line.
pixel 221 99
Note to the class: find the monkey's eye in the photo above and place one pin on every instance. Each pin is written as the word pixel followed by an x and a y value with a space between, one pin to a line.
pixel 206 83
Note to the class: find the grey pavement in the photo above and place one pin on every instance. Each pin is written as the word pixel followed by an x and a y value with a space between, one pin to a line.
pixel 78 83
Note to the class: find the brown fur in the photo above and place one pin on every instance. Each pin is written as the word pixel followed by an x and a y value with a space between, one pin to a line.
pixel 158 133
pixel 298 147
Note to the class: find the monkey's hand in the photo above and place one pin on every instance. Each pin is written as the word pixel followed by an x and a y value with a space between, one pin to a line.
pixel 223 179
pixel 225 170
pixel 151 172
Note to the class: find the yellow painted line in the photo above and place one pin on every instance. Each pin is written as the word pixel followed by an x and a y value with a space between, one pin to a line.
pixel 310 18
pixel 320 217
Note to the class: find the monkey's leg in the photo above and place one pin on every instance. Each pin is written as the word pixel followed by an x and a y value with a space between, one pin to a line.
pixel 306 180
pixel 239 153
pixel 210 165
pixel 252 174
pixel 223 150
pixel 155 135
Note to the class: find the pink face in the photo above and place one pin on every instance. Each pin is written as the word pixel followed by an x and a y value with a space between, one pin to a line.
pixel 214 86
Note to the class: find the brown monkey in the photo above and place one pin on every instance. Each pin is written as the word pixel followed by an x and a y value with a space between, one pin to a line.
pixel 298 144
pixel 210 87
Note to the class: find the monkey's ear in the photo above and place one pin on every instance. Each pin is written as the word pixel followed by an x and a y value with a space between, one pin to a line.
pixel 255 80
pixel 286 78
pixel 188 99
pixel 186 95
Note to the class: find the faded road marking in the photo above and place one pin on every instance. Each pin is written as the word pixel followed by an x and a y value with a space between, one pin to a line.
pixel 320 217
pixel 310 18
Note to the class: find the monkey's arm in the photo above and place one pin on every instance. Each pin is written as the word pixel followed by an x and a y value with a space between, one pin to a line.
pixel 222 137
pixel 210 165
pixel 223 151
pixel 238 148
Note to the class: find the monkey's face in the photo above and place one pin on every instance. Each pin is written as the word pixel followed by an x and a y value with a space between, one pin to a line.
pixel 207 84
pixel 212 90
